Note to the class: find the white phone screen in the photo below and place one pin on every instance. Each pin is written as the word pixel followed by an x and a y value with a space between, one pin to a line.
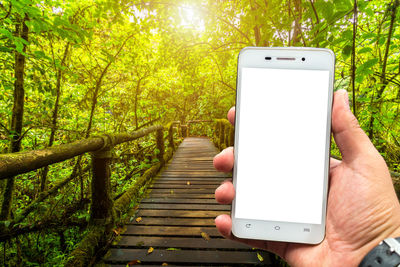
pixel 281 144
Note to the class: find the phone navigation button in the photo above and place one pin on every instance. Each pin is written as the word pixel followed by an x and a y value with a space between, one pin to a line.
pixel 277 228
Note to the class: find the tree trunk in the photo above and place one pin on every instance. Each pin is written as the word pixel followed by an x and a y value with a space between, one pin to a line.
pixel 136 103
pixel 22 31
pixel 256 28
pixel 297 24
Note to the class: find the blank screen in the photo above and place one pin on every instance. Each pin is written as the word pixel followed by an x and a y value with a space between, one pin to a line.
pixel 281 145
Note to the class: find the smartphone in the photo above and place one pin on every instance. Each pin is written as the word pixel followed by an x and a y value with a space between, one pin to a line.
pixel 282 143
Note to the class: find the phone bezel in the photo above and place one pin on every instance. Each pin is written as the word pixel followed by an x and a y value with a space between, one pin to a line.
pixel 315 59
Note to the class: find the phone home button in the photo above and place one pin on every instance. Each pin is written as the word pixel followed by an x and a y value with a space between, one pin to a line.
pixel 277 228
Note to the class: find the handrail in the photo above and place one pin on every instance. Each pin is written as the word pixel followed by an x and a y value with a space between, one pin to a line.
pixel 21 162
pixel 100 147
pixel 224 134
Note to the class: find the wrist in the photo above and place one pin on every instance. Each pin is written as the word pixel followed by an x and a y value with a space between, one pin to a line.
pixel 363 251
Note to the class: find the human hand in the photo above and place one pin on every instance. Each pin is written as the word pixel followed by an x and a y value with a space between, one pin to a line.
pixel 362 210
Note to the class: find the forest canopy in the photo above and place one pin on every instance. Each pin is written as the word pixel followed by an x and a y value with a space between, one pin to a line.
pixel 74 69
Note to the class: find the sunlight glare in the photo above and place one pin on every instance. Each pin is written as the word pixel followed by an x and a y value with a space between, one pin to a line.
pixel 190 18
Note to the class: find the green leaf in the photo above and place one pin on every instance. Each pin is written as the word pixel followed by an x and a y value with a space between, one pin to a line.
pixel 382 40
pixel 39 54
pixel 6 33
pixel 369 12
pixel 327 10
pixel 348 34
pixel 5 49
pixel 22 40
pixel 343 5
pixel 364 50
pixel 369 64
pixel 346 52
pixel 19 46
pixel 369 35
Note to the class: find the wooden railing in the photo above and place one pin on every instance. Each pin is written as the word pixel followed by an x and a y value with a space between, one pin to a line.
pixel 224 134
pixel 103 209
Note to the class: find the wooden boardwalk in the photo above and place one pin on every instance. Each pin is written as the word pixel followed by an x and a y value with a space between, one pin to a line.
pixel 177 218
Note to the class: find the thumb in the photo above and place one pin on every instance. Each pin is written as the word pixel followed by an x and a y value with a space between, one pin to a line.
pixel 349 137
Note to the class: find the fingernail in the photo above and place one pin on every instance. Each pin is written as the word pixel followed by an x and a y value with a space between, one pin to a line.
pixel 220 187
pixel 223 151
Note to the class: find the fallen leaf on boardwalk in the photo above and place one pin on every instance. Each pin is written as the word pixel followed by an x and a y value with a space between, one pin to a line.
pixel 151 249
pixel 173 249
pixel 164 264
pixel 116 232
pixel 188 183
pixel 205 236
pixel 172 191
pixel 138 219
pixel 134 262
pixel 260 258
pixel 140 244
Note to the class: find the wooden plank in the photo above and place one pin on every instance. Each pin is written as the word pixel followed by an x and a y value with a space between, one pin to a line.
pixel 187 186
pixel 167 206
pixel 190 196
pixel 192 167
pixel 191 163
pixel 180 200
pixel 174 221
pixel 202 172
pixel 199 157
pixel 199 178
pixel 179 242
pixel 186 256
pixel 181 213
pixel 189 176
pixel 184 182
pixel 171 230
pixel 183 191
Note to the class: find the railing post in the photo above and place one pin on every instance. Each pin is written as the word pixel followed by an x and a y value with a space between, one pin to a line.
pixel 231 136
pixel 101 209
pixel 228 134
pixel 222 136
pixel 160 145
pixel 216 133
pixel 188 129
pixel 184 131
pixel 171 136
